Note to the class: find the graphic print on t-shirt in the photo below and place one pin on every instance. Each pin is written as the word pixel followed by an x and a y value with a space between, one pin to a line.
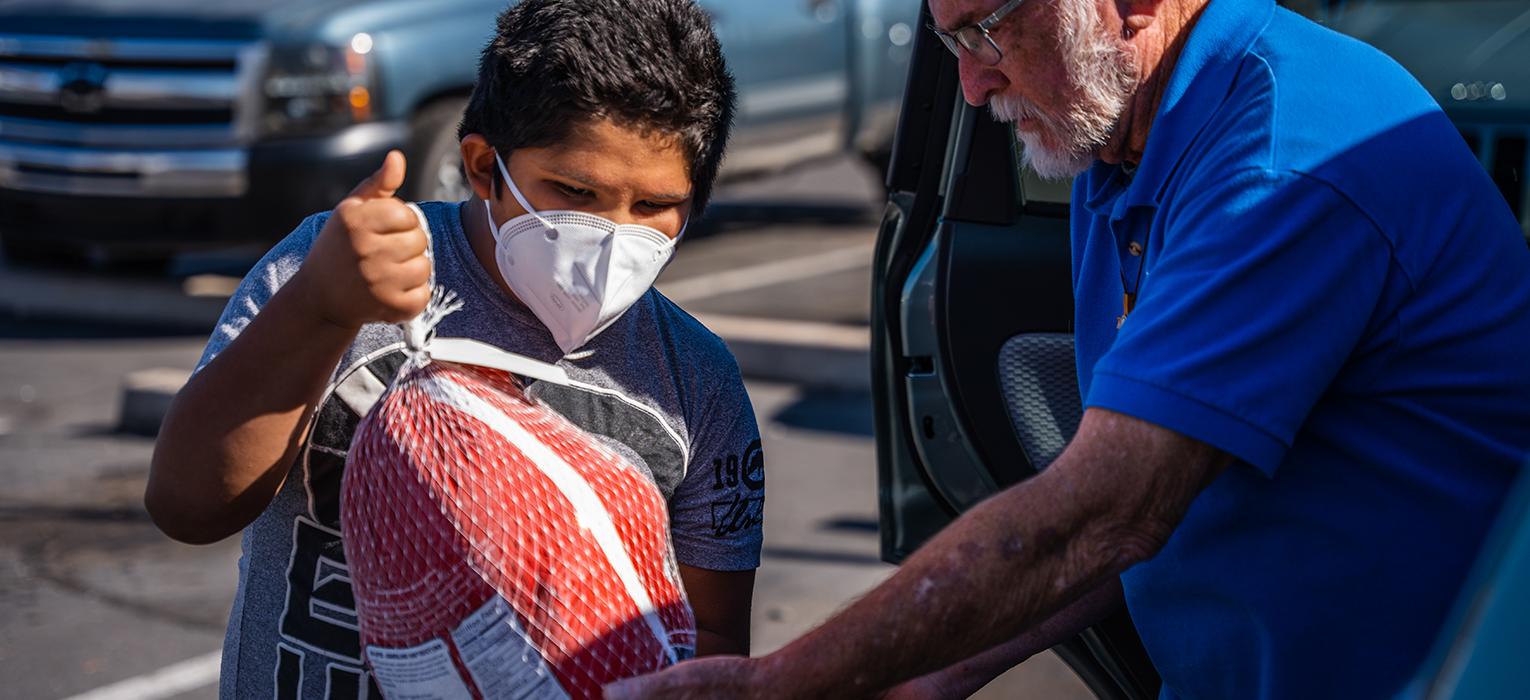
pixel 318 623
pixel 320 611
pixel 739 509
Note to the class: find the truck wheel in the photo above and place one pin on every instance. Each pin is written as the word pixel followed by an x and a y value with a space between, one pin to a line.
pixel 435 163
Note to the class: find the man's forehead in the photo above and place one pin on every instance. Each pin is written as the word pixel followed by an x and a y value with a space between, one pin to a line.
pixel 954 14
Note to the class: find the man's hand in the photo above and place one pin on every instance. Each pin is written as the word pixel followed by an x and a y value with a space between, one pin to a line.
pixel 930 687
pixel 1007 566
pixel 369 263
pixel 698 679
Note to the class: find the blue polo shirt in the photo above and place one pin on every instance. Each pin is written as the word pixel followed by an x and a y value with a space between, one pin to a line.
pixel 1332 291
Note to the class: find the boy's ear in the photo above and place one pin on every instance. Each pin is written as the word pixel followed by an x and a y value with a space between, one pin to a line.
pixel 478 163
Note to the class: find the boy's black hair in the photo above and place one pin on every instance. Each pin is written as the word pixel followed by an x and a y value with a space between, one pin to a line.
pixel 647 64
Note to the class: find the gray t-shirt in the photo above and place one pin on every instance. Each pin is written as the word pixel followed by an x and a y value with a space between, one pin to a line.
pixel 673 403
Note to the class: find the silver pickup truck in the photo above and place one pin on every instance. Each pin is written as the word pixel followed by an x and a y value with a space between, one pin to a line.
pixel 135 130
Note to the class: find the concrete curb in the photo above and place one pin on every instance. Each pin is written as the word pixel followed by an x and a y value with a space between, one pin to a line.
pixel 811 354
pixel 146 397
pixel 814 355
pixel 111 300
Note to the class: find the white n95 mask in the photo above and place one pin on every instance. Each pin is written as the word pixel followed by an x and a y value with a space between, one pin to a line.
pixel 577 272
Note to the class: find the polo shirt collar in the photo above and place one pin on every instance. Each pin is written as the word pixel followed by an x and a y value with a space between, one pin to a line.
pixel 1202 77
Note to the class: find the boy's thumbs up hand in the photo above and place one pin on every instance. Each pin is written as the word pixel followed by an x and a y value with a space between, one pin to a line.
pixel 369 263
pixel 382 183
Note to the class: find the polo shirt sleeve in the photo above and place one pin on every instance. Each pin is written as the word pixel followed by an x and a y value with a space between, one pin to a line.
pixel 1264 285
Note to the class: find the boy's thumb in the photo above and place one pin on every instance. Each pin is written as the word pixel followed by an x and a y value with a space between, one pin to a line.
pixel 387 180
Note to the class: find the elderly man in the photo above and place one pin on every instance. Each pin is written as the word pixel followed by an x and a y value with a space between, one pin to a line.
pixel 1302 319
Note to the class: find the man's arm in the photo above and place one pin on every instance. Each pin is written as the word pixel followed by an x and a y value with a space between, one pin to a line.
pixel 965 677
pixel 1110 501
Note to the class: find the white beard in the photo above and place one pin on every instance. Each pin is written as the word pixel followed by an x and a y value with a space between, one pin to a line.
pixel 1102 76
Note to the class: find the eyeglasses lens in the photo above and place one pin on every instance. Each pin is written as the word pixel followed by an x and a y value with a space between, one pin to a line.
pixel 979 45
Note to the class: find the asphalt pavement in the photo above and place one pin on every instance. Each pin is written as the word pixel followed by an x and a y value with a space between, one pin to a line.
pixel 95 603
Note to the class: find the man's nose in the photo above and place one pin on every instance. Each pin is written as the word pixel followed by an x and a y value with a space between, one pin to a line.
pixel 979 82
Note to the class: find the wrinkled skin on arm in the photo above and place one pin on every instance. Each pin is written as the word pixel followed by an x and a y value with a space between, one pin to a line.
pixel 965 677
pixel 1110 501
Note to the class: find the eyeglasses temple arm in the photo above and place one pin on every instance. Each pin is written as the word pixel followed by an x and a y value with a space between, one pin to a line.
pixel 999 14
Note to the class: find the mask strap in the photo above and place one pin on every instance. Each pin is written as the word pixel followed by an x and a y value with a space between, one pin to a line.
pixel 521 199
pixel 514 191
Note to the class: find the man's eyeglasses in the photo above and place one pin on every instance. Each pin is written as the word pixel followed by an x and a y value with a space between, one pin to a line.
pixel 975 38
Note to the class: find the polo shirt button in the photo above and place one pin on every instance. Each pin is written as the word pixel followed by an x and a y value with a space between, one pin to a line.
pixel 1134 248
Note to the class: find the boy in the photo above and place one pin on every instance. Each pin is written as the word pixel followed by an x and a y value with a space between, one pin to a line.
pixel 616 109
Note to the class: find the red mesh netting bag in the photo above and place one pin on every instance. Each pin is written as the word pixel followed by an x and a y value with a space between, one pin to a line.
pixel 498 551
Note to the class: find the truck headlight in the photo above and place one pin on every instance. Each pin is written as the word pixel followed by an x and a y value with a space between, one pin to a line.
pixel 317 87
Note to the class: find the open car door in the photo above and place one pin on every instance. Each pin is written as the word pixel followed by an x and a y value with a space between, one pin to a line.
pixel 974 379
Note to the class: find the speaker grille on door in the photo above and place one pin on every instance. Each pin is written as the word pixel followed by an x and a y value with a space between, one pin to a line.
pixel 1039 382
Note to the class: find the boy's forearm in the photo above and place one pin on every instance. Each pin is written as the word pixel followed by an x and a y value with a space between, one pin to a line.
pixel 232 432
pixel 709 643
pixel 721 601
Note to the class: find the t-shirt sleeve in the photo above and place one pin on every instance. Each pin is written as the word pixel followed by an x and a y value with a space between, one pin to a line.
pixel 260 284
pixel 718 510
pixel 1266 284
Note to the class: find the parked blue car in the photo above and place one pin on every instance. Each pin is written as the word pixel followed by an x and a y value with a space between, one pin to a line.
pixel 139 129
pixel 1481 654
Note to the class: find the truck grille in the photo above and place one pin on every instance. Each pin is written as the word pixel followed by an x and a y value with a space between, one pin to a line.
pixel 115 117
pixel 111 115
pixel 1505 152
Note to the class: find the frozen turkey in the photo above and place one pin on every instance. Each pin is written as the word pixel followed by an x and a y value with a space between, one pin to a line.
pixel 496 550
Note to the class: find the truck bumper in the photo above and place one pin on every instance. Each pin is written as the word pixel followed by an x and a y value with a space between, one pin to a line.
pixel 161 200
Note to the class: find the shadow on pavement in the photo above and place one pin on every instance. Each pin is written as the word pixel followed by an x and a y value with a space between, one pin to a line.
pixel 851 525
pixel 722 217
pixel 845 412
pixel 20 327
pixel 74 513
pixel 233 260
pixel 820 556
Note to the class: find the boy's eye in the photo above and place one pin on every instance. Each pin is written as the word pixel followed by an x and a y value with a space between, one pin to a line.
pixel 571 191
pixel 658 206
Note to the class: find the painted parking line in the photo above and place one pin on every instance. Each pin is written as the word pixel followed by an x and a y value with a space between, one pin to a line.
pixel 199 300
pixel 739 279
pixel 832 336
pixel 806 353
pixel 167 682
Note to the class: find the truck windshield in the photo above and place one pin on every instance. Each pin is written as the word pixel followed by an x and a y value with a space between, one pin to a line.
pixel 1473 56
pixel 1467 53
